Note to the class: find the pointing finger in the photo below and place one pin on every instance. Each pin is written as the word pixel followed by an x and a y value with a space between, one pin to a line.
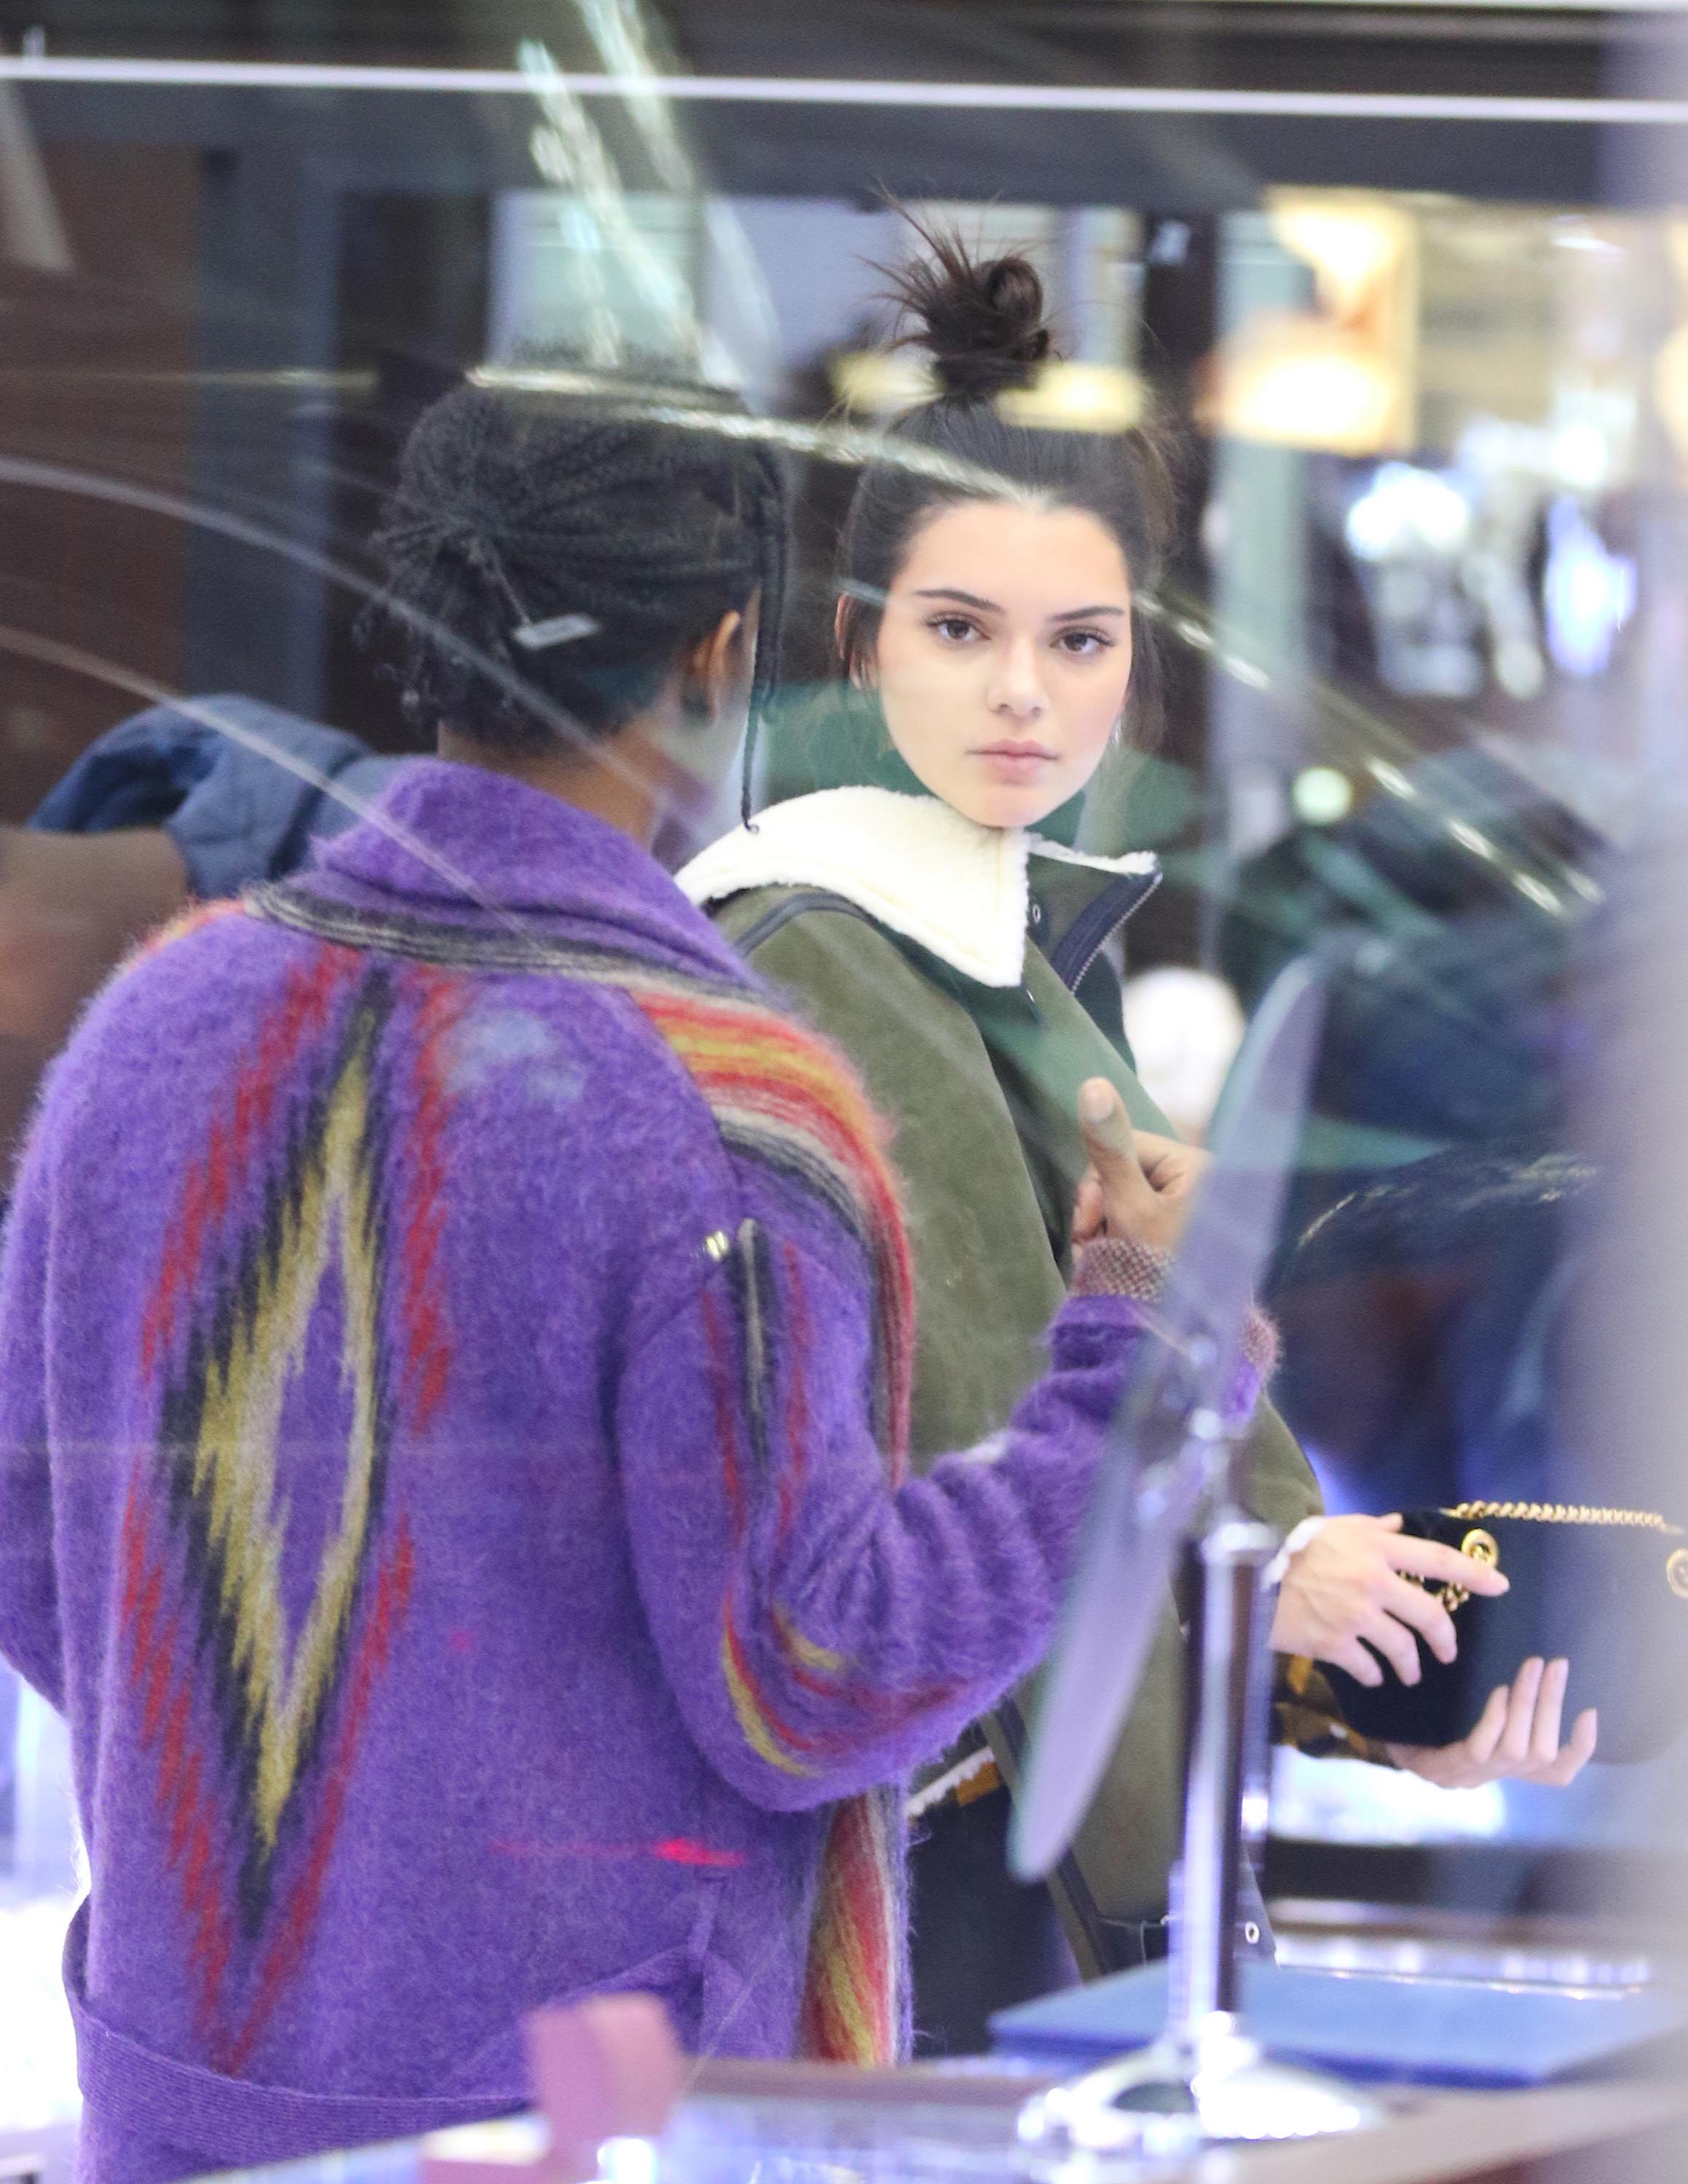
pixel 1106 1127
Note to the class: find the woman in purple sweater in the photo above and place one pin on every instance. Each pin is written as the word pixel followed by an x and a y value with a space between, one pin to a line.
pixel 454 1363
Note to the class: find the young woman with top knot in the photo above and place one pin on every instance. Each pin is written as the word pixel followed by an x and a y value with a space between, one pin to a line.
pixel 993 646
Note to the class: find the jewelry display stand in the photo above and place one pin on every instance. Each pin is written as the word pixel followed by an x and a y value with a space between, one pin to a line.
pixel 1170 1485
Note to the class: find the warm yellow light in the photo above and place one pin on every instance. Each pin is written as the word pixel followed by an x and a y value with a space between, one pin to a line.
pixel 1676 247
pixel 1353 244
pixel 1670 388
pixel 1071 397
pixel 882 381
pixel 1294 381
pixel 1079 398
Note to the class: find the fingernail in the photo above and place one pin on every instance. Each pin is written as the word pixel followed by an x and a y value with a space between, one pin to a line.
pixel 1505 1582
pixel 1095 1101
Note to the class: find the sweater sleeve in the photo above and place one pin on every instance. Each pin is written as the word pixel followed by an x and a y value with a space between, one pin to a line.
pixel 822 1629
pixel 29 1598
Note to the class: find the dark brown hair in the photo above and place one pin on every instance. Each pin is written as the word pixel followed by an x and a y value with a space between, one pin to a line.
pixel 982 322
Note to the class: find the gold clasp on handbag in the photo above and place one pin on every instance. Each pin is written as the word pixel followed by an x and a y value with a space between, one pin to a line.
pixel 1481 1547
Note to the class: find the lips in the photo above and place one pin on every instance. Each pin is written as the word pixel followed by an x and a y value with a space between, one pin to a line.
pixel 1011 761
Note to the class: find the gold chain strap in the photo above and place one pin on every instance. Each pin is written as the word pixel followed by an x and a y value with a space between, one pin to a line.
pixel 1563 1513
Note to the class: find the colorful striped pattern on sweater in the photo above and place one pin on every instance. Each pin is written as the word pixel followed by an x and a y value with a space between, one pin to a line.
pixel 782 1097
pixel 250 1708
pixel 778 1092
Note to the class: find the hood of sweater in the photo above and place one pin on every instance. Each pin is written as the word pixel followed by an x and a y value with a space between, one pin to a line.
pixel 462 845
pixel 914 863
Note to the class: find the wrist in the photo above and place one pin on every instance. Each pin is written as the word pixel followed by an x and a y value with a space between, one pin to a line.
pixel 1303 1536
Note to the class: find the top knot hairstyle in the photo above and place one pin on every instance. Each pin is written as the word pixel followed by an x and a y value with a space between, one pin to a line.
pixel 551 558
pixel 982 322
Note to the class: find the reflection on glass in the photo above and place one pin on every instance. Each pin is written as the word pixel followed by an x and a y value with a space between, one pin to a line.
pixel 1410 636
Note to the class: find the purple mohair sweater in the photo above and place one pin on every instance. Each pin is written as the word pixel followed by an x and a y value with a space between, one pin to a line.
pixel 393 1430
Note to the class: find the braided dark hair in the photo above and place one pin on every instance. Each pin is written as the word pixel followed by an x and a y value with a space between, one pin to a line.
pixel 628 525
pixel 982 324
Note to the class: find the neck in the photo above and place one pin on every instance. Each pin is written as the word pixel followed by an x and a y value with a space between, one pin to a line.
pixel 612 780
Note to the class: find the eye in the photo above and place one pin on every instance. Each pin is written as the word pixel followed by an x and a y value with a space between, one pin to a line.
pixel 1085 644
pixel 953 628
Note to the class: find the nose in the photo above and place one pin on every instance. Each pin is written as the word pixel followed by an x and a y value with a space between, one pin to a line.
pixel 1016 689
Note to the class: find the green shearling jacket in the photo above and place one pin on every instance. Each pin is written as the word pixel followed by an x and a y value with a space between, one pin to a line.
pixel 955 975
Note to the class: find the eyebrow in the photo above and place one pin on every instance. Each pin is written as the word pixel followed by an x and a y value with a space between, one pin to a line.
pixel 990 606
pixel 967 598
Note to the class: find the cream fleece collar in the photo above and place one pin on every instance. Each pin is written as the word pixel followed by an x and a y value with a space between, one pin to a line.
pixel 913 863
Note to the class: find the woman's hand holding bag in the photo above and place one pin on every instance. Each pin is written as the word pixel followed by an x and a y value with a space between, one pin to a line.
pixel 1359 1582
pixel 1352 1587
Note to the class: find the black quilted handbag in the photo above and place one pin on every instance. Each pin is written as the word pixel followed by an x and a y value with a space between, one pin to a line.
pixel 1605 1588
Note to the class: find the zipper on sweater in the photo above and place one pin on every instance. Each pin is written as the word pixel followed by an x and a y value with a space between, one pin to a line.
pixel 1097 924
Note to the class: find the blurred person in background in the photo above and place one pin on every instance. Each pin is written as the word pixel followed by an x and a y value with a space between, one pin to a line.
pixel 1427 1273
pixel 179 804
pixel 454 1354
pixel 1426 1320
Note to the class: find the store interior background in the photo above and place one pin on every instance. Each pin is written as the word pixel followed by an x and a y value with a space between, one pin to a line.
pixel 1431 378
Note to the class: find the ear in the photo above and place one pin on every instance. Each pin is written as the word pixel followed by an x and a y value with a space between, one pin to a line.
pixel 716 665
pixel 860 670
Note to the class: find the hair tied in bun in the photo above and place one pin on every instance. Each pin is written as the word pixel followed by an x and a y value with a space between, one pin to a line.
pixel 980 321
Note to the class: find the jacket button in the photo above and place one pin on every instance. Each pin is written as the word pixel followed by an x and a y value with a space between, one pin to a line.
pixel 1036 915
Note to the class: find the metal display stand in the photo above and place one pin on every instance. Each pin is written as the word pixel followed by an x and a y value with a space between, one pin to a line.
pixel 1205 2079
pixel 1171 1477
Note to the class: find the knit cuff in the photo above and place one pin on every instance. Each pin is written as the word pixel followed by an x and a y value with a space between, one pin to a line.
pixel 1260 1343
pixel 1114 1266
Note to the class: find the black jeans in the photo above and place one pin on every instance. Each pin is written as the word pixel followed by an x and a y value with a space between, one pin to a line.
pixel 982 1941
